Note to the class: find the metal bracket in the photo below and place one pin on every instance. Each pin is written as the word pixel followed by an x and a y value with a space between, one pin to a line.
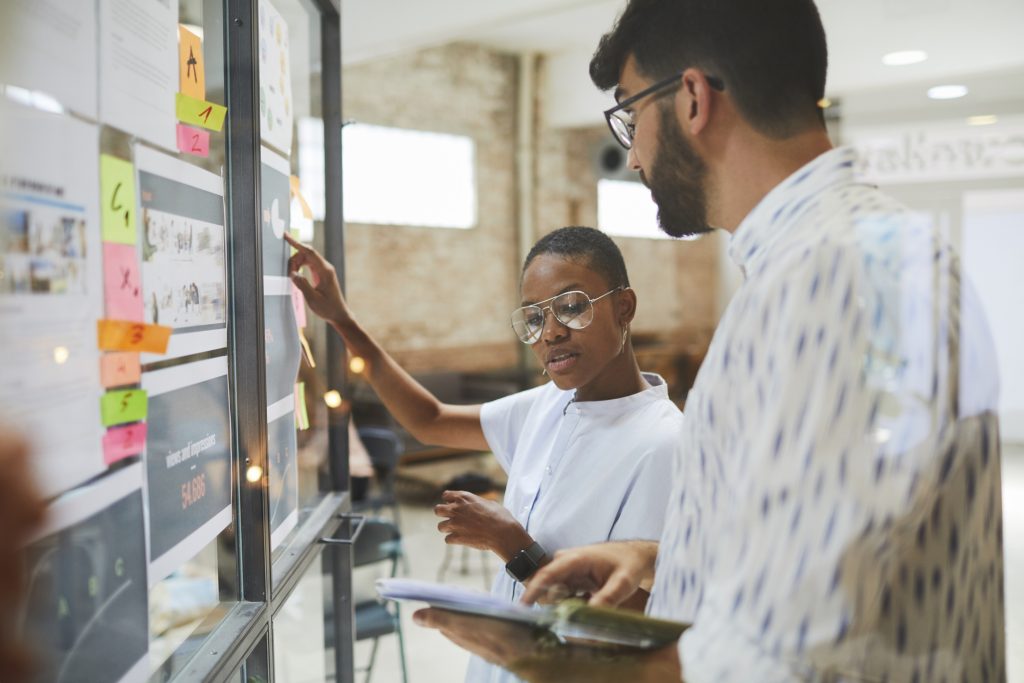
pixel 360 521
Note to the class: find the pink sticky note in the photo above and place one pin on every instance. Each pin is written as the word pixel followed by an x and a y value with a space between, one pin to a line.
pixel 122 442
pixel 193 141
pixel 299 304
pixel 122 285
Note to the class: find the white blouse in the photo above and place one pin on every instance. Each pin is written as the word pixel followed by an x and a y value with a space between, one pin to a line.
pixel 581 472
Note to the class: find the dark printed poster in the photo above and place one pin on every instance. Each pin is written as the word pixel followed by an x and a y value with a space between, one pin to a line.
pixel 282 347
pixel 275 214
pixel 87 594
pixel 283 479
pixel 188 461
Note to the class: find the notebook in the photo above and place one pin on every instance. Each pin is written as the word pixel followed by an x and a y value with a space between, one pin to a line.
pixel 571 620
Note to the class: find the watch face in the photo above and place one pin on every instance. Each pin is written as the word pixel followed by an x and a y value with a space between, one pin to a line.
pixel 524 563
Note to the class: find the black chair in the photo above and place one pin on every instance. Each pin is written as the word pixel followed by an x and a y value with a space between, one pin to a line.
pixel 384 448
pixel 379 541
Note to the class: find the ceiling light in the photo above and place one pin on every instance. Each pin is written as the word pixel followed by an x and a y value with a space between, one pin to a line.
pixel 824 103
pixel 904 57
pixel 983 120
pixel 947 92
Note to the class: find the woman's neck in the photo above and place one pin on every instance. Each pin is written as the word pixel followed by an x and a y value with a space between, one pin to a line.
pixel 621 377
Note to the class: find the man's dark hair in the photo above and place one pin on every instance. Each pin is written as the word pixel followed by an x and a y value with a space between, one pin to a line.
pixel 771 54
pixel 591 246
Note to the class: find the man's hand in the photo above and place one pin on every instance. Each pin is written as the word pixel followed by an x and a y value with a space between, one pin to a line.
pixel 321 291
pixel 513 646
pixel 499 642
pixel 479 523
pixel 21 512
pixel 610 572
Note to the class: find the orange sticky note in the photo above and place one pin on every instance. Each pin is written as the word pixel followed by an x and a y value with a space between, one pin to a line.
pixel 199 112
pixel 119 369
pixel 297 193
pixel 192 72
pixel 122 285
pixel 124 335
pixel 193 141
pixel 122 442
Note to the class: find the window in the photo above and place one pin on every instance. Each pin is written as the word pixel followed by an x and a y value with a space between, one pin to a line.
pixel 406 177
pixel 625 209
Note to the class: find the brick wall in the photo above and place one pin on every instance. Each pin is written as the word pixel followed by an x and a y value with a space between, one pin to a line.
pixel 438 299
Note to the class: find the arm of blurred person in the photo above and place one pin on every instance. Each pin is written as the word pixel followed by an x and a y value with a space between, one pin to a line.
pixel 21 511
pixel 480 523
pixel 613 574
pixel 514 646
pixel 420 412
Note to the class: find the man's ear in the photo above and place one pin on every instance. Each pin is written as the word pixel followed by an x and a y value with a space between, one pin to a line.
pixel 697 100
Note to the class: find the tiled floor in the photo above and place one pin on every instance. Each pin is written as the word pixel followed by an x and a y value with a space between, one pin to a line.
pixel 432 659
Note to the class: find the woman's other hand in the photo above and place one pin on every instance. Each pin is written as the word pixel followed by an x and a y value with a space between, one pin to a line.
pixel 480 523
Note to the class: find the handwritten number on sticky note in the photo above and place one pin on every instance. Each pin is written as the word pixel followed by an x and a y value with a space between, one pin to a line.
pixel 195 142
pixel 205 114
pixel 117 206
pixel 137 333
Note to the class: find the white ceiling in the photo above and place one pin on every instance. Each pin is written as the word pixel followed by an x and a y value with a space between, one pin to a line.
pixel 963 38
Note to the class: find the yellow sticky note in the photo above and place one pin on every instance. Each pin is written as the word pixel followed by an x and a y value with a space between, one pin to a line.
pixel 117 199
pixel 297 193
pixel 124 335
pixel 191 70
pixel 307 352
pixel 301 414
pixel 198 112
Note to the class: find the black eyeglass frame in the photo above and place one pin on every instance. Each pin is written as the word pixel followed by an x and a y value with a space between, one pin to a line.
pixel 714 81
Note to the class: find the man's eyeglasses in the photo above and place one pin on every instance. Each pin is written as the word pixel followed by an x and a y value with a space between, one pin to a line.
pixel 573 309
pixel 620 121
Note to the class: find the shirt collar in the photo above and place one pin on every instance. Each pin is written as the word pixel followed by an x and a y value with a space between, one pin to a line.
pixel 657 391
pixel 782 205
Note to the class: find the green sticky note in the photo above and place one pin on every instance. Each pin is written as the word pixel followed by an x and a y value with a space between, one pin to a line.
pixel 118 407
pixel 117 190
pixel 199 112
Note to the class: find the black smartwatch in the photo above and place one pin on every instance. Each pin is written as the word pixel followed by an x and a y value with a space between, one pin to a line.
pixel 524 563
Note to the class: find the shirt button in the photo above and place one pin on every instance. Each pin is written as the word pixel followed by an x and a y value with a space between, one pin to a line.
pixel 549 470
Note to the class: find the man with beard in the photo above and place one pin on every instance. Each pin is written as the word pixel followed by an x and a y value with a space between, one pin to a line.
pixel 841 517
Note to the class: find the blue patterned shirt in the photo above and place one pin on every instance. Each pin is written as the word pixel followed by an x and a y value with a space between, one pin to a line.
pixel 837 515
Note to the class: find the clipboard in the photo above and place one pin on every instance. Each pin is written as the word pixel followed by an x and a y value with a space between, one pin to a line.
pixel 571 620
